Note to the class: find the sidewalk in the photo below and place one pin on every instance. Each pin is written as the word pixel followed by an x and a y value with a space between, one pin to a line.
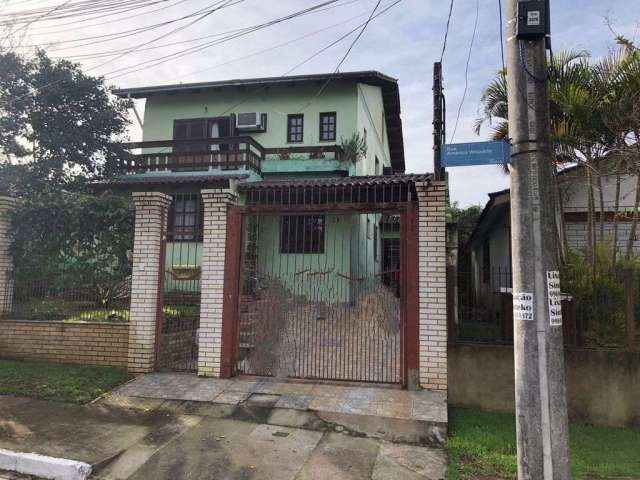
pixel 136 437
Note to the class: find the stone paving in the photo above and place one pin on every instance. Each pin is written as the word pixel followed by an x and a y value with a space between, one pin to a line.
pixel 378 401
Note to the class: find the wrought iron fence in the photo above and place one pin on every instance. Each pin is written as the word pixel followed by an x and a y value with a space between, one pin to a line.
pixel 598 315
pixel 65 299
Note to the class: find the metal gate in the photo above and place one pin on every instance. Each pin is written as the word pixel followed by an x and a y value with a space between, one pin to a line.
pixel 320 296
pixel 179 299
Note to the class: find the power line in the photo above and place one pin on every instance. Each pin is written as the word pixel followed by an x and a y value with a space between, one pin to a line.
pixel 118 19
pixel 446 32
pixel 26 25
pixel 108 53
pixel 198 48
pixel 224 4
pixel 218 6
pixel 342 60
pixel 308 59
pixel 466 71
pixel 117 35
pixel 271 48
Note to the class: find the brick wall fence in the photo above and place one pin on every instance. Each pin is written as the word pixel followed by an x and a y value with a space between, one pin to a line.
pixel 432 280
pixel 87 343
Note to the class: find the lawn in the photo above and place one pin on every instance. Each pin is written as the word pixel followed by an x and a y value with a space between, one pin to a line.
pixel 482 445
pixel 58 381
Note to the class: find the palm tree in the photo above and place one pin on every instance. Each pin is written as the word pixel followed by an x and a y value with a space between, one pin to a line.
pixel 584 97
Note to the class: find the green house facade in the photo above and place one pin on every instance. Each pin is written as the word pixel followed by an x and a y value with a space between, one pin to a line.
pixel 236 132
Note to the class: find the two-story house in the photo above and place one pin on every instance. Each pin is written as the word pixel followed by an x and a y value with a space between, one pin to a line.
pixel 314 164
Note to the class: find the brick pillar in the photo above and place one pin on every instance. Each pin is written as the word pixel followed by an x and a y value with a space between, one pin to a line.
pixel 216 203
pixel 151 220
pixel 6 261
pixel 432 279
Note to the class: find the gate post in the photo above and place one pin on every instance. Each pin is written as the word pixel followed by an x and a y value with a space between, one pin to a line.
pixel 6 262
pixel 432 280
pixel 150 225
pixel 210 342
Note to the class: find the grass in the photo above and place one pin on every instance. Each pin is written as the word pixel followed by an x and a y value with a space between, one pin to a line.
pixel 482 445
pixel 57 381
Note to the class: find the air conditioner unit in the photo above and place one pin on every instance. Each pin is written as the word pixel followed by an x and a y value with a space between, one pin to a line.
pixel 249 121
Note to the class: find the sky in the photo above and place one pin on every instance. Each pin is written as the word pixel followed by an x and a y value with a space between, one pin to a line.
pixel 403 42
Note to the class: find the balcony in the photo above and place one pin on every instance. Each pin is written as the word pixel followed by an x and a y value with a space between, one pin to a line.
pixel 229 153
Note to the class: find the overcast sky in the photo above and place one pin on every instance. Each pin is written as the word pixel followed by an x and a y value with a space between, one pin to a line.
pixel 403 43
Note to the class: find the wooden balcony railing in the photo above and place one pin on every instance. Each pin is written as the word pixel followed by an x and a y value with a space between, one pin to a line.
pixel 227 153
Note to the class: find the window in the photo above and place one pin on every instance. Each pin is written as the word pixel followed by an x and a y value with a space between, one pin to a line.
pixel 486 262
pixel 185 218
pixel 295 128
pixel 200 129
pixel 377 165
pixel 328 127
pixel 190 129
pixel 302 234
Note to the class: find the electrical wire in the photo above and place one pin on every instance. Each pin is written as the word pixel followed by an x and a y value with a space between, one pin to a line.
pixel 212 10
pixel 250 95
pixel 466 72
pixel 117 35
pixel 525 67
pixel 108 53
pixel 26 25
pixel 273 47
pixel 163 59
pixel 176 55
pixel 344 58
pixel 118 19
pixel 218 6
pixel 446 32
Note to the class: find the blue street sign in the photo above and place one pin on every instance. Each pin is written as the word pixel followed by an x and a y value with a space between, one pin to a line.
pixel 475 153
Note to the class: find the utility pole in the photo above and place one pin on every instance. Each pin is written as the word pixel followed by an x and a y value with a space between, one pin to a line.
pixel 541 405
pixel 438 120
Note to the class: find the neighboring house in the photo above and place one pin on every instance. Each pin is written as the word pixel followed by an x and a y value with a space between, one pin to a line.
pixel 284 255
pixel 490 242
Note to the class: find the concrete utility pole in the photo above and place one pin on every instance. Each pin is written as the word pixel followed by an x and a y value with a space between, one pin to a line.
pixel 541 405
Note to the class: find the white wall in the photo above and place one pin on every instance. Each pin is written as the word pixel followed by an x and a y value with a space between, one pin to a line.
pixel 574 188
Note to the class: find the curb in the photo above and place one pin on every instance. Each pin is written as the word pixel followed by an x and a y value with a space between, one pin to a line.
pixel 43 466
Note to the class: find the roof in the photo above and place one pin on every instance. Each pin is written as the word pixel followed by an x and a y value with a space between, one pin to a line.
pixel 389 86
pixel 499 204
pixel 395 179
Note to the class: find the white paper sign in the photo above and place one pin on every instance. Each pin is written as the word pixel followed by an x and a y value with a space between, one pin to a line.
pixel 523 306
pixel 555 298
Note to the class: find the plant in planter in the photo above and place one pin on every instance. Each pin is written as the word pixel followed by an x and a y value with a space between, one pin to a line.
pixel 353 148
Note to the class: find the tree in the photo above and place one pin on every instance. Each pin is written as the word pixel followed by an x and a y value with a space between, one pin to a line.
pixel 59 128
pixel 587 121
pixel 74 241
pixel 466 220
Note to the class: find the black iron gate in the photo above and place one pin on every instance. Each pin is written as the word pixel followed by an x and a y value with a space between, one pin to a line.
pixel 179 303
pixel 320 296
